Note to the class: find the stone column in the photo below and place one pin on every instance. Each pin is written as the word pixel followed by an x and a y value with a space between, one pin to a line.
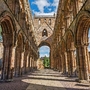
pixel 69 63
pixel 6 62
pixel 32 62
pixel 54 63
pixel 65 55
pixel 7 57
pixel 72 59
pixel 13 61
pixel 22 61
pixel 25 61
pixel 64 62
pixel 29 62
pixel 18 62
pixel 82 58
pixel 60 64
pixel 57 63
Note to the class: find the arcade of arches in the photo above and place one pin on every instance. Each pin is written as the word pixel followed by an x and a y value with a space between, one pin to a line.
pixel 67 34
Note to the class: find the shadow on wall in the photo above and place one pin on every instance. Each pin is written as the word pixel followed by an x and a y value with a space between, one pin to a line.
pixel 1 60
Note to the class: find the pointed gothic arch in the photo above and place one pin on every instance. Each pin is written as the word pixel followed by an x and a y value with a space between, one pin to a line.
pixel 8 35
pixel 44 33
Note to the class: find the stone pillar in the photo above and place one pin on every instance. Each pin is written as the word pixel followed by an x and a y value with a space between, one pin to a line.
pixel 8 57
pixel 25 62
pixel 82 58
pixel 32 62
pixel 64 55
pixel 60 64
pixel 22 61
pixel 36 64
pixel 72 59
pixel 13 60
pixel 5 64
pixel 29 62
pixel 63 63
pixel 55 63
pixel 18 62
pixel 69 63
pixel 52 58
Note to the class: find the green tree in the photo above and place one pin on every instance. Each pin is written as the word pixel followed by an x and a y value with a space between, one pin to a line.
pixel 46 62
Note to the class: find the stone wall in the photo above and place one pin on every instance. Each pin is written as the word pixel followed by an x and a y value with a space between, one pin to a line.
pixel 71 35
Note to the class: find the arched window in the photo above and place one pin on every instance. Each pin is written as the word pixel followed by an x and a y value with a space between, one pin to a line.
pixel 44 33
pixel 39 21
pixel 49 21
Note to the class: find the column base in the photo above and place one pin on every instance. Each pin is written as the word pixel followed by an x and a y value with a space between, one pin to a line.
pixel 82 81
pixel 17 74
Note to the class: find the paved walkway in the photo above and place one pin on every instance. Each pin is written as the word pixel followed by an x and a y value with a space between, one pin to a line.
pixel 43 80
pixel 53 80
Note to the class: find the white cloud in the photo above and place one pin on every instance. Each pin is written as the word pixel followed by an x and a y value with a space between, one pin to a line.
pixel 44 51
pixel 39 13
pixel 42 4
pixel 55 3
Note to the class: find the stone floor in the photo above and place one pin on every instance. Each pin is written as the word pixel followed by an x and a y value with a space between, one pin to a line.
pixel 44 80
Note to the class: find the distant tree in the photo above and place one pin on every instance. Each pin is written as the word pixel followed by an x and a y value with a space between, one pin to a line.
pixel 46 62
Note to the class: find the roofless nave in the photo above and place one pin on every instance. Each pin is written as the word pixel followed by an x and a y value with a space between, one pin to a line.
pixel 67 35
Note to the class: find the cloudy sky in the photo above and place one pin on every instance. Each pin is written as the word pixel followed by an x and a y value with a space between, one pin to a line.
pixel 44 51
pixel 44 7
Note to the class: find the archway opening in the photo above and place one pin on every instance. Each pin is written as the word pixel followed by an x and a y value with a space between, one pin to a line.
pixel 71 55
pixel 82 43
pixel 44 56
pixel 89 49
pixel 1 49
pixel 7 33
pixel 44 33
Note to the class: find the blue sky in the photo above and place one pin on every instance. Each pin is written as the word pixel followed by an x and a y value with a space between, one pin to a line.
pixel 44 7
pixel 44 51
